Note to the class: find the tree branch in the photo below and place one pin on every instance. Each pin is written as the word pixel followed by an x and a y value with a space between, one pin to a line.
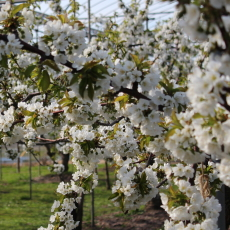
pixel 50 141
pixel 111 124
pixel 35 50
pixel 192 180
pixel 150 160
pixel 30 96
pixel 225 104
pixel 133 93
pixel 161 183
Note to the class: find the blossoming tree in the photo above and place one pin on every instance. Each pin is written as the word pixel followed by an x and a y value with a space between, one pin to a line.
pixel 156 102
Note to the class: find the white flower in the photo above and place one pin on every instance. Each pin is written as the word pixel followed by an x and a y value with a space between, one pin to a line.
pixel 192 14
pixel 3 15
pixel 60 43
pixel 216 3
pixel 178 170
pixel 6 6
pixel 180 213
pixel 60 58
pixel 55 205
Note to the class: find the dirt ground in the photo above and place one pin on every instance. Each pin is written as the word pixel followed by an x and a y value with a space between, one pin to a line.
pixel 150 219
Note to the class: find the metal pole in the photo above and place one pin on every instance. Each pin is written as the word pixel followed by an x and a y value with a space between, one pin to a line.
pixel 18 158
pixel 89 25
pixel 39 166
pixel 30 174
pixel 0 163
pixel 107 176
pixel 92 209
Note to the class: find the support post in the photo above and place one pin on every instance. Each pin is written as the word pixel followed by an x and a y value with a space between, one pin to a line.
pixel 18 158
pixel 89 24
pixel 0 163
pixel 107 176
pixel 30 174
pixel 92 210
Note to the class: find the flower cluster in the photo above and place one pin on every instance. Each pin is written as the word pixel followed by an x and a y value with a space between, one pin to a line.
pixel 133 188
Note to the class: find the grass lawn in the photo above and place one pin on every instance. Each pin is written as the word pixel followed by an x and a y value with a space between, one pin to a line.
pixel 19 212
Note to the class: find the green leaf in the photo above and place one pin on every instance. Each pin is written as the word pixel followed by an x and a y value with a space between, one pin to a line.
pixel 34 125
pixel 90 90
pixel 4 61
pixel 98 71
pixel 89 65
pixel 82 86
pixel 197 115
pixel 29 70
pixel 114 195
pixel 27 112
pixel 75 78
pixel 52 64
pixel 18 8
pixel 44 82
pixel 173 189
pixel 176 121
pixel 65 102
pixel 63 18
pixel 29 120
pixel 135 59
pixel 121 202
pixel 170 133
pixel 142 143
pixel 52 18
pixel 120 98
pixel 143 178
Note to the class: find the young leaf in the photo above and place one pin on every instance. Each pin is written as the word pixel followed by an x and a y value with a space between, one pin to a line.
pixel 63 18
pixel 29 70
pixel 120 98
pixel 4 61
pixel 170 133
pixel 75 78
pixel 52 64
pixel 18 8
pixel 90 90
pixel 45 81
pixel 82 86
pixel 176 121
pixel 114 195
pixel 27 112
pixel 135 59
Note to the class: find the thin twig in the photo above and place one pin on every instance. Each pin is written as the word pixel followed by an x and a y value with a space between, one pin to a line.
pixel 111 124
pixel 53 141
pixel 35 50
pixel 133 93
pixel 161 183
pixel 140 161
pixel 150 158
pixel 30 96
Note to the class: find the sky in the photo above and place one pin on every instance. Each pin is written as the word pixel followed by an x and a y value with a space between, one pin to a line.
pixel 105 8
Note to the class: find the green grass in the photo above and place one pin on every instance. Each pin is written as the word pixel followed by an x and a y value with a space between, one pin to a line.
pixel 19 212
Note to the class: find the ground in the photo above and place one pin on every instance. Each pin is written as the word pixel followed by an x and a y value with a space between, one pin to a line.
pixel 148 219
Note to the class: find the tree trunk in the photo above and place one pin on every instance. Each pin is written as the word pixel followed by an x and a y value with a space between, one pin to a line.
pixel 78 213
pixel 227 206
pixel 65 161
